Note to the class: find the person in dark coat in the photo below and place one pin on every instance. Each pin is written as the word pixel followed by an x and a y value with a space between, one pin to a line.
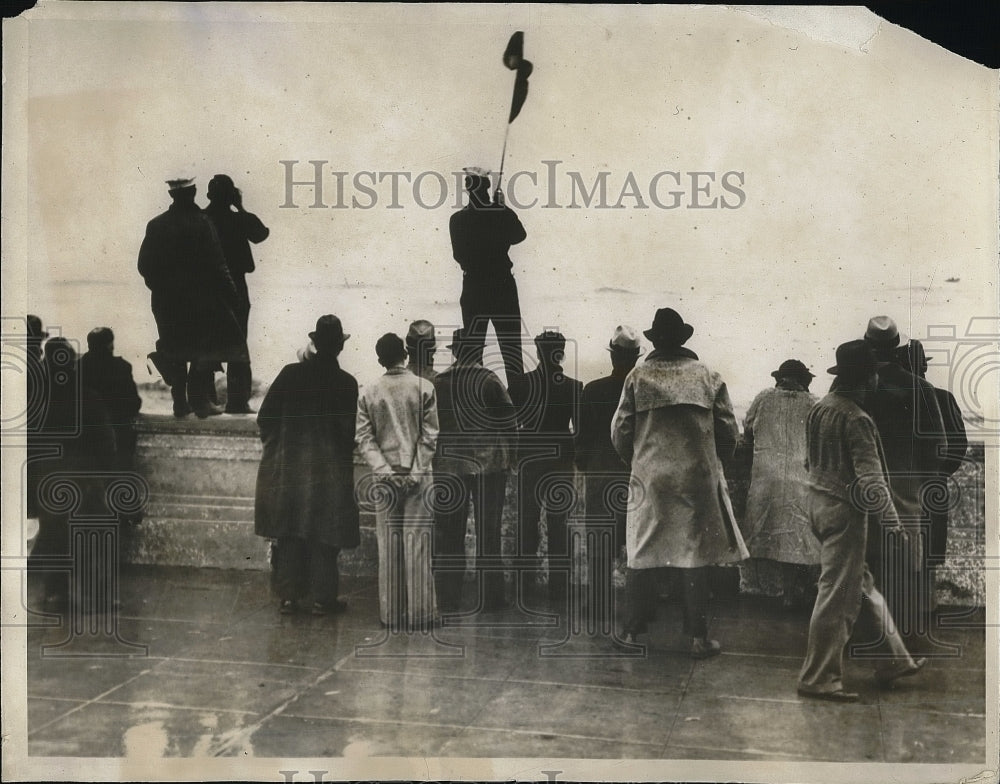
pixel 77 428
pixel 847 473
pixel 913 359
pixel 548 410
pixel 606 476
pixel 305 484
pixel 110 379
pixel 194 301
pixel 908 418
pixel 36 397
pixel 481 235
pixel 237 228
pixel 475 451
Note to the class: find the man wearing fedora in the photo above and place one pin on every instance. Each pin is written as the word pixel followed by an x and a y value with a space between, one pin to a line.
pixel 606 476
pixel 548 410
pixel 674 427
pixel 194 301
pixel 305 483
pixel 908 418
pixel 475 452
pixel 481 235
pixel 777 519
pixel 848 498
pixel 237 228
pixel 421 346
pixel 396 434
pixel 912 358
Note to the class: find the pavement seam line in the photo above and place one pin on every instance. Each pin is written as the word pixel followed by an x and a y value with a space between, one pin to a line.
pixel 94 700
pixel 245 734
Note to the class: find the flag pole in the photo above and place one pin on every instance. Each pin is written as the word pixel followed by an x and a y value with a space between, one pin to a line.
pixel 503 155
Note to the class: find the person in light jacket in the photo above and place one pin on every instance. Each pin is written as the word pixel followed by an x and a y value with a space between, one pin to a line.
pixel 673 427
pixel 397 430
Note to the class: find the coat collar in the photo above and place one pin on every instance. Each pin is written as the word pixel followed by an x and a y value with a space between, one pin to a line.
pixel 677 352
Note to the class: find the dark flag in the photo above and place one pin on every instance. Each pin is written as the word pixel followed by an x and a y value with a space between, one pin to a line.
pixel 513 58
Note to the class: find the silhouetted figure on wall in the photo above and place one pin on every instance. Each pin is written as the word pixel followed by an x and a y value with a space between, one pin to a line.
pixel 110 379
pixel 194 301
pixel 481 235
pixel 237 228
pixel 36 399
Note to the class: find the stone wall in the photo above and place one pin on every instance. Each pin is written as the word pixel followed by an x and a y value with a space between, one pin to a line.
pixel 202 474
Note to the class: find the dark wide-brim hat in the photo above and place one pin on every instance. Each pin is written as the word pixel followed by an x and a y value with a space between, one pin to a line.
pixel 460 338
pixel 793 368
pixel 328 329
pixel 669 327
pixel 854 358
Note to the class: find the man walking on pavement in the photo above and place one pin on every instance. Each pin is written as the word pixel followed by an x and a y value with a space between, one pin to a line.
pixel 481 235
pixel 237 228
pixel 849 493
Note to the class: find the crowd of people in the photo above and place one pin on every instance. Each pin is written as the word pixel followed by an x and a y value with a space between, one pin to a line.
pixel 839 485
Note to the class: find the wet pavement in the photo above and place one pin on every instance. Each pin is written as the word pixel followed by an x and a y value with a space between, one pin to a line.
pixel 224 674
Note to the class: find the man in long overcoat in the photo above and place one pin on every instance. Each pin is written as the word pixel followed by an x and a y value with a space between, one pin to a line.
pixel 674 426
pixel 777 517
pixel 914 360
pixel 193 299
pixel 908 418
pixel 305 484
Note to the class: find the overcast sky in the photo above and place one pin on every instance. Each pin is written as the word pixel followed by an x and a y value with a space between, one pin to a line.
pixel 866 160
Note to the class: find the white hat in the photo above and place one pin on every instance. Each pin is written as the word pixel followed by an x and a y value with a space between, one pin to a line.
pixel 477 171
pixel 625 339
pixel 181 182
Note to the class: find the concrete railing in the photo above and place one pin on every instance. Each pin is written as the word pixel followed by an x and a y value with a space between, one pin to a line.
pixel 202 475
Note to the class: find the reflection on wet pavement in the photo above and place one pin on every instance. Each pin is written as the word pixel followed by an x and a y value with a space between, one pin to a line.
pixel 226 675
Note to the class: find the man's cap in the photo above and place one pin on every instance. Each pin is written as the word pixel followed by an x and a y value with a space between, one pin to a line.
pixel 35 327
pixel 101 337
pixel 329 329
pixel 459 338
pixel 180 183
pixel 551 339
pixel 477 171
pixel 792 368
pixel 882 332
pixel 626 340
pixel 854 358
pixel 421 332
